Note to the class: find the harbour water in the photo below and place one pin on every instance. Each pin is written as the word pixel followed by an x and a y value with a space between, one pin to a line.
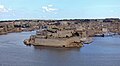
pixel 103 51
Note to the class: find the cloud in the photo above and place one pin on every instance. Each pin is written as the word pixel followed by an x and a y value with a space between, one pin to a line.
pixel 3 9
pixel 49 8
pixel 50 5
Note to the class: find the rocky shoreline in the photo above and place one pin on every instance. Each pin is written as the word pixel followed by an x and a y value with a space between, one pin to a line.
pixel 62 33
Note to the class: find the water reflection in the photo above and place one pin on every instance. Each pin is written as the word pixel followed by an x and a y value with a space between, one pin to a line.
pixel 56 56
pixel 56 48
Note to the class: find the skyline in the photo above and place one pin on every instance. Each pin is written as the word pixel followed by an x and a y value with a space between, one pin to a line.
pixel 58 9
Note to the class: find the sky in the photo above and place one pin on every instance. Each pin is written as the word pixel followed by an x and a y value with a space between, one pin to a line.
pixel 59 9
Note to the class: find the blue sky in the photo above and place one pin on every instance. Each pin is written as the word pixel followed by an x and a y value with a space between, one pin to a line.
pixel 58 9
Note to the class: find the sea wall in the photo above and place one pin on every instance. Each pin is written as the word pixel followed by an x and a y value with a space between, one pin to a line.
pixel 61 42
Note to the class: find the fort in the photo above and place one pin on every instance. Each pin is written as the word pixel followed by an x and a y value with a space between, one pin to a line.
pixel 62 33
